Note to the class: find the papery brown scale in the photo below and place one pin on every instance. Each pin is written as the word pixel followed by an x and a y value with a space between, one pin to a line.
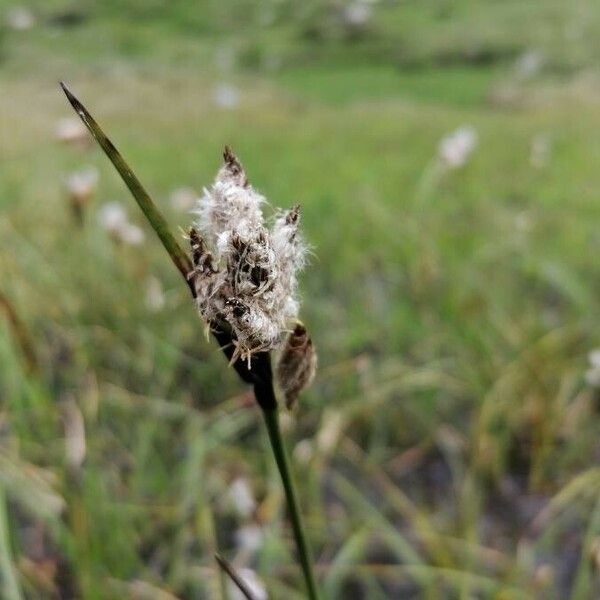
pixel 234 167
pixel 293 215
pixel 297 364
pixel 202 259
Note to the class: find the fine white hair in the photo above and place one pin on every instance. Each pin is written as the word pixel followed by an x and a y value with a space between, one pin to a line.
pixel 245 271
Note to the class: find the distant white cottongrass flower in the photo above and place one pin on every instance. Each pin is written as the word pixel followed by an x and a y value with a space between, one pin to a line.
pixel 20 18
pixel 82 184
pixel 249 285
pixel 132 235
pixel 304 451
pixel 155 295
pixel 254 583
pixel 249 538
pixel 456 148
pixel 240 497
pixel 226 96
pixel 183 199
pixel 529 64
pixel 357 14
pixel 592 375
pixel 70 130
pixel 113 218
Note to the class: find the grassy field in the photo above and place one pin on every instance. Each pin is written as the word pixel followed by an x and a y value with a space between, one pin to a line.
pixel 449 446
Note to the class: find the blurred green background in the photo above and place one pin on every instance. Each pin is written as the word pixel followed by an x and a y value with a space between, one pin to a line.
pixel 449 447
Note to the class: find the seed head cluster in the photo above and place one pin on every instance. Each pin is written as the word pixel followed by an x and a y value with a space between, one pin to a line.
pixel 244 271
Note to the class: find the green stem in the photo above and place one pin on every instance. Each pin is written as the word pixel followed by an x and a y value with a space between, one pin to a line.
pixel 21 335
pixel 271 417
pixel 235 577
pixel 10 584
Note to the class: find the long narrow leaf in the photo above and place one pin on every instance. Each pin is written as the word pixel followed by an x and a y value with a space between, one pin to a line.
pixel 9 583
pixel 237 579
pixel 154 216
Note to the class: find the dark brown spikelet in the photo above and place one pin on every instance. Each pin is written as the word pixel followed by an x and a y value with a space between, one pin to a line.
pixel 234 166
pixel 297 365
pixel 201 258
pixel 293 215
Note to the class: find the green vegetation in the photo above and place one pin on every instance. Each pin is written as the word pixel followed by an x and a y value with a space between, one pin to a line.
pixel 449 446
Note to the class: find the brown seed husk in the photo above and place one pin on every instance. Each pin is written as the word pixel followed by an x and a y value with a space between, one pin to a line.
pixel 297 364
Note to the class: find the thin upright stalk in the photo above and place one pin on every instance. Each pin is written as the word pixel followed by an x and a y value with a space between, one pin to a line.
pixel 271 417
pixel 21 335
pixel 10 584
pixel 241 585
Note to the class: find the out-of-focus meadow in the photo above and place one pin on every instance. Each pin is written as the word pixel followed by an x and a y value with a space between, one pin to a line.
pixel 449 446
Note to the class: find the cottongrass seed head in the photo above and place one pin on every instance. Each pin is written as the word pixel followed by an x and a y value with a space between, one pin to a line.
pixel 245 272
pixel 592 375
pixel 455 149
pixel 80 187
pixel 114 220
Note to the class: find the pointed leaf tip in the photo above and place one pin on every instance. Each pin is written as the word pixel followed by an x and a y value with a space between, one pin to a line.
pixel 67 92
pixel 150 210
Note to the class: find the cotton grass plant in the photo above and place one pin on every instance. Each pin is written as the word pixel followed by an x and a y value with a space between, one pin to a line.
pixel 80 187
pixel 242 276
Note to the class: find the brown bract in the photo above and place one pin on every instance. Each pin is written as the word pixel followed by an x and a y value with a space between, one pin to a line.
pixel 297 364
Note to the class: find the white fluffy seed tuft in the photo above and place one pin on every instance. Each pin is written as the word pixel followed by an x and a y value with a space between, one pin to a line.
pixel 248 278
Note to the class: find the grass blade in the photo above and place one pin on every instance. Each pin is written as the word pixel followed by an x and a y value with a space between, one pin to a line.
pixel 20 334
pixel 154 216
pixel 239 582
pixel 9 585
pixel 271 417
